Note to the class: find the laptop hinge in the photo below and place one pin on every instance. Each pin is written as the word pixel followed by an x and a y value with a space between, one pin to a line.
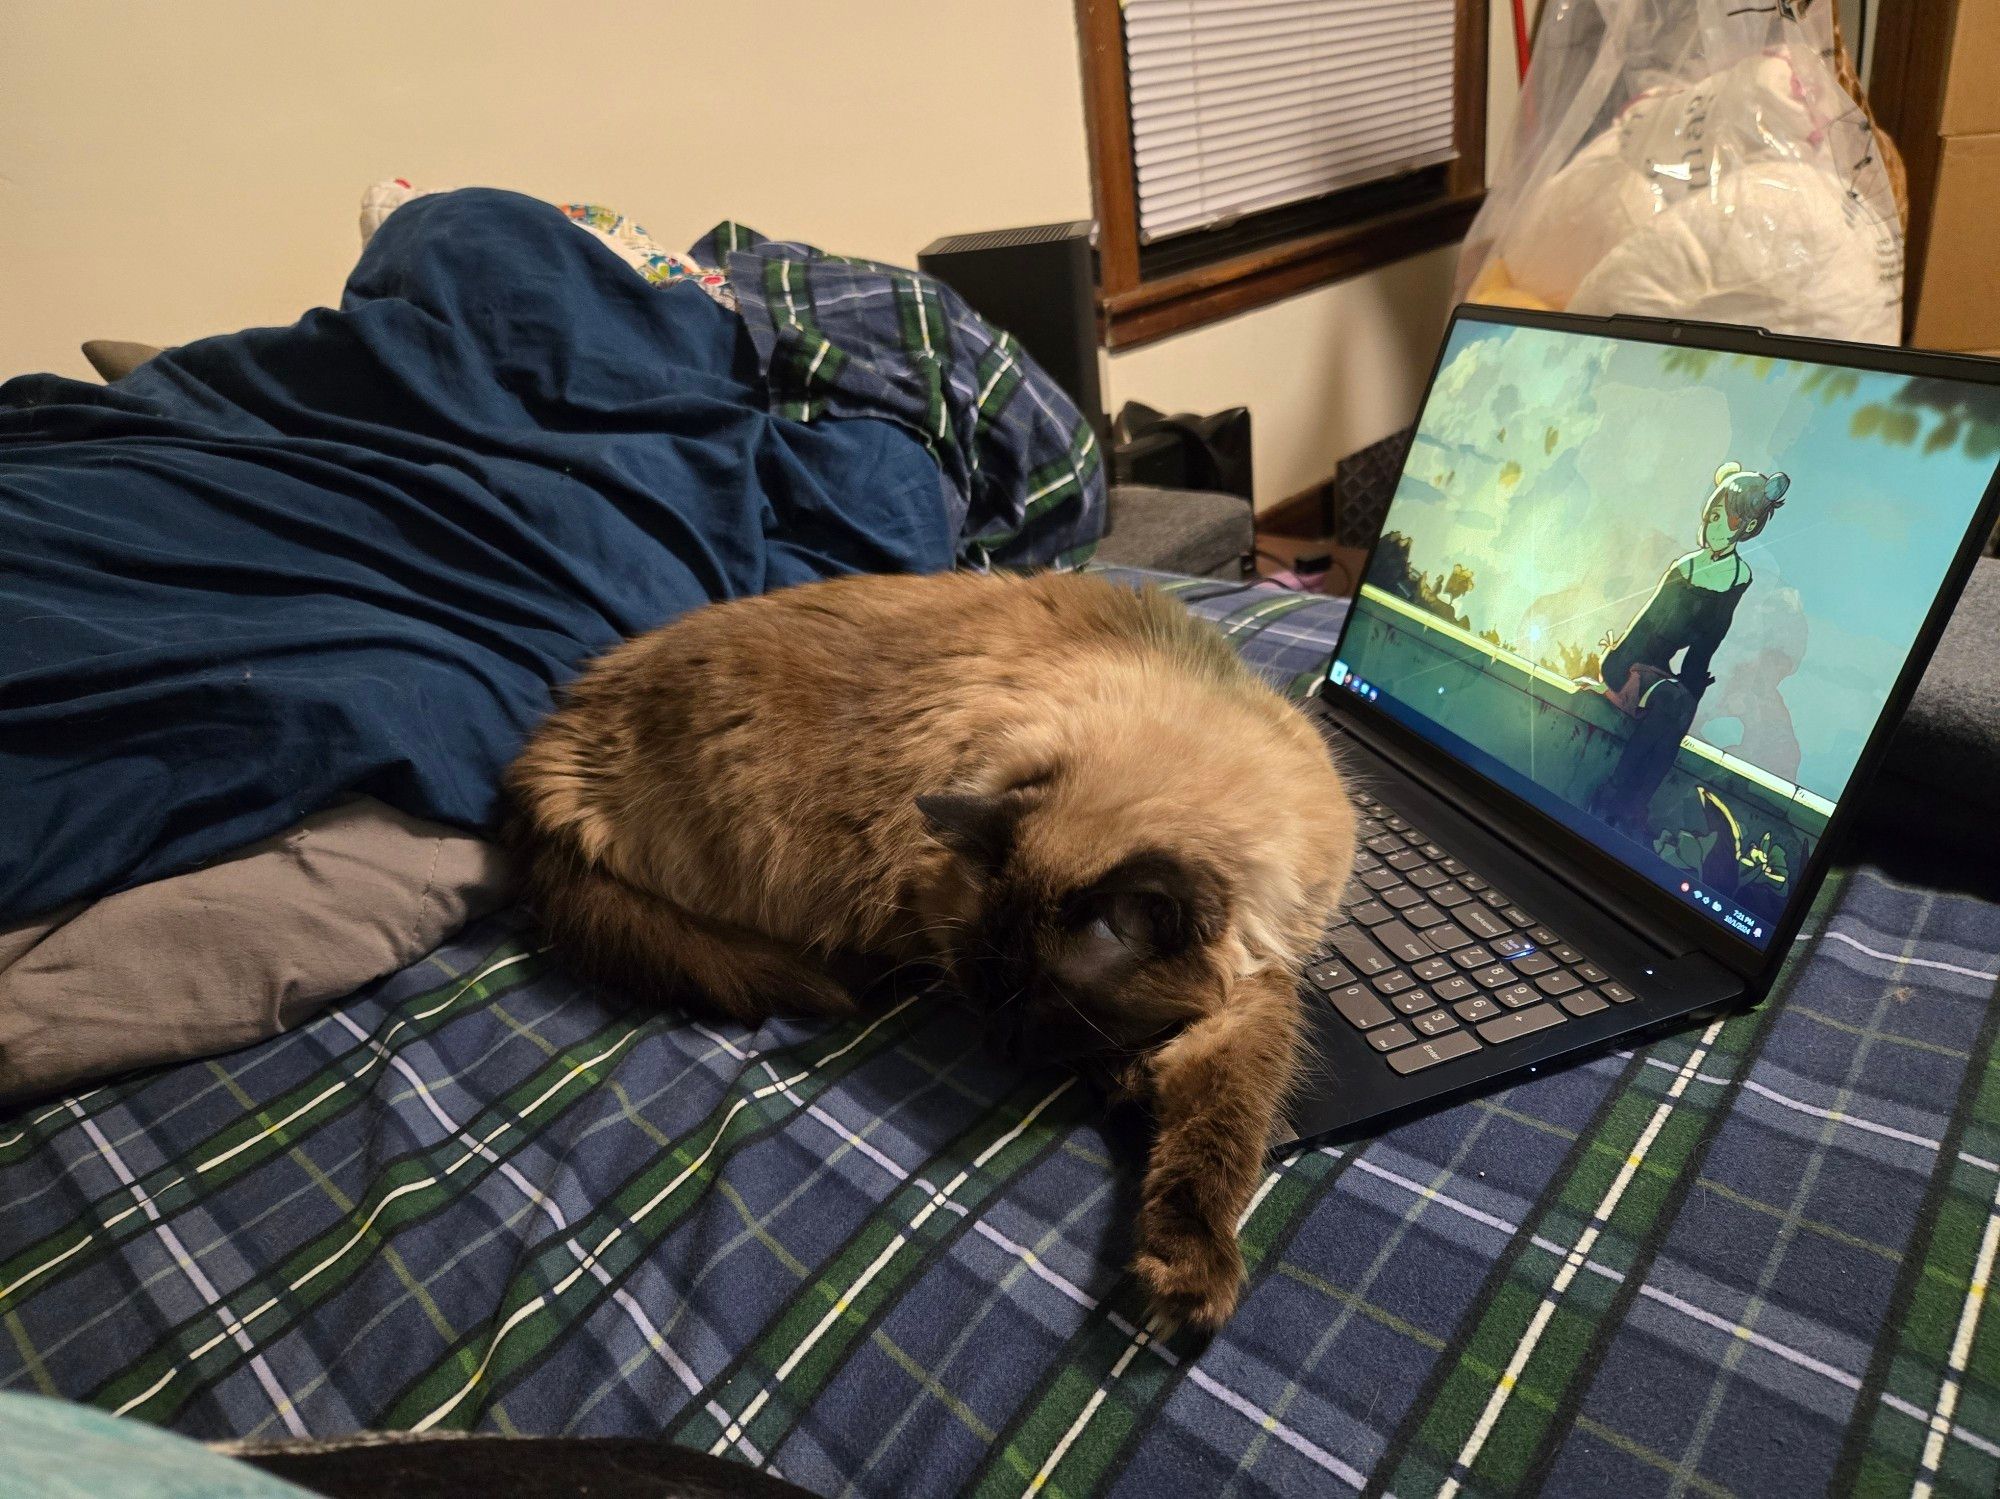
pixel 1475 809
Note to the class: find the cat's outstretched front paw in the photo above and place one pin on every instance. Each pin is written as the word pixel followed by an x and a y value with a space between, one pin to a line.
pixel 1193 1270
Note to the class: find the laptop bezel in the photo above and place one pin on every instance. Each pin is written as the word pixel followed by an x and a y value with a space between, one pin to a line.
pixel 1577 854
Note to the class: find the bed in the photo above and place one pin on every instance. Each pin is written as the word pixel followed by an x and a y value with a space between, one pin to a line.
pixel 460 1191
pixel 1751 1259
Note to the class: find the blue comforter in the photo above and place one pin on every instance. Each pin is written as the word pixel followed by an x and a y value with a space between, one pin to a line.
pixel 357 554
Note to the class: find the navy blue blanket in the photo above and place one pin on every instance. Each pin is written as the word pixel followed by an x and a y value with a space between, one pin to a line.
pixel 357 553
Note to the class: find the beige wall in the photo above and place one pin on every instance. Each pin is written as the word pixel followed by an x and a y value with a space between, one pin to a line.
pixel 1323 373
pixel 173 170
pixel 169 170
pixel 1331 370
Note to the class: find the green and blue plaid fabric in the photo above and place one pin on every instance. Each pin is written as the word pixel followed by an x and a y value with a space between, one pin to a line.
pixel 835 336
pixel 1753 1259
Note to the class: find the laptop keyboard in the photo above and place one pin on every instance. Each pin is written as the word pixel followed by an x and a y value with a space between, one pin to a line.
pixel 1430 962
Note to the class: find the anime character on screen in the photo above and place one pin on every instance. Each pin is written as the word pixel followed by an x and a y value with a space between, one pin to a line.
pixel 1687 616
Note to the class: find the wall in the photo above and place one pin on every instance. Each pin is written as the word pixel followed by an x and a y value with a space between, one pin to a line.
pixel 1333 369
pixel 169 171
pixel 1323 373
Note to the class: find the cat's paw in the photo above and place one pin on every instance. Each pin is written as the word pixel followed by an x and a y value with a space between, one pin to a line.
pixel 1193 1271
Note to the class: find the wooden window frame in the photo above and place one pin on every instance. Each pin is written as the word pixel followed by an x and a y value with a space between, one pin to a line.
pixel 1135 309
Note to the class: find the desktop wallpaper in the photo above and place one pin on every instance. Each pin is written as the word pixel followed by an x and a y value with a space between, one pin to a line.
pixel 1673 587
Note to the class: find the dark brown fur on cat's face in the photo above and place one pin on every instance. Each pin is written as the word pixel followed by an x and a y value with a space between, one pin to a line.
pixel 1075 799
pixel 1065 968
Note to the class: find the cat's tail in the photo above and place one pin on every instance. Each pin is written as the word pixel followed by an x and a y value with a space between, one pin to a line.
pixel 636 941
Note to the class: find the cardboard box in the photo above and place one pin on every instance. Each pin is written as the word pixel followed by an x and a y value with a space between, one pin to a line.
pixel 1955 174
pixel 1958 308
pixel 1972 90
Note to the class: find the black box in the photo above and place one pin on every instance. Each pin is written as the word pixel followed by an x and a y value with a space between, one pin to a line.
pixel 1040 284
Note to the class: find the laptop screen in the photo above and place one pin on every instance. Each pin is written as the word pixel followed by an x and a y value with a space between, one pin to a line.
pixel 1663 593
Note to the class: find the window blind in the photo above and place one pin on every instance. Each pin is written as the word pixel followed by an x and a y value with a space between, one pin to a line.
pixel 1244 105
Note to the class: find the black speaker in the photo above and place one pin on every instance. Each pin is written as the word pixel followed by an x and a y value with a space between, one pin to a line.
pixel 1040 284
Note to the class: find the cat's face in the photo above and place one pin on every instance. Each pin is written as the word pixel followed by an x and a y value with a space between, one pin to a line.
pixel 1067 961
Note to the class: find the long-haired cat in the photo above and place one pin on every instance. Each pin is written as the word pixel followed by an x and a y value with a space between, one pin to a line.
pixel 1071 797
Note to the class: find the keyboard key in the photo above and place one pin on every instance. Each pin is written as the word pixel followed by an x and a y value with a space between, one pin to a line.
pixel 1518 996
pixel 1618 994
pixel 1453 988
pixel 1362 798
pixel 1543 936
pixel 1413 1001
pixel 1354 945
pixel 1519 917
pixel 1330 974
pixel 1583 1002
pixel 1370 913
pixel 1432 851
pixel 1416 839
pixel 1407 860
pixel 1433 1023
pixel 1403 942
pixel 1562 952
pixel 1511 946
pixel 1493 976
pixel 1472 957
pixel 1425 877
pixel 1430 1053
pixel 1402 897
pixel 1432 969
pixel 1473 882
pixel 1590 973
pixel 1385 843
pixel 1379 878
pixel 1392 981
pixel 1446 937
pixel 1474 1010
pixel 1557 982
pixel 1449 894
pixel 1532 963
pixel 1360 1008
pixel 1395 824
pixel 1479 921
pixel 1423 915
pixel 1493 897
pixel 1390 1037
pixel 1520 1023
pixel 1356 894
pixel 1451 866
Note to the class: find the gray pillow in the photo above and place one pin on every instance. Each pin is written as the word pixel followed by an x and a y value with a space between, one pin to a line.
pixel 1946 754
pixel 236 951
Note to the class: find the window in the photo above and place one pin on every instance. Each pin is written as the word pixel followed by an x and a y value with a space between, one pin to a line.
pixel 1244 150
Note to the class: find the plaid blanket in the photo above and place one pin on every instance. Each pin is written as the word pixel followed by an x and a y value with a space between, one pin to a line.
pixel 838 336
pixel 1753 1259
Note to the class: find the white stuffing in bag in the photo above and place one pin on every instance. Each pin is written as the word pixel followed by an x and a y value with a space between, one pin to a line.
pixel 1692 160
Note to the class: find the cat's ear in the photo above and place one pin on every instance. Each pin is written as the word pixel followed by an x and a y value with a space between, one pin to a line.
pixel 980 827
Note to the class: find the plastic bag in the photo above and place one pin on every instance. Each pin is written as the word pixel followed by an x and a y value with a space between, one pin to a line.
pixel 1698 159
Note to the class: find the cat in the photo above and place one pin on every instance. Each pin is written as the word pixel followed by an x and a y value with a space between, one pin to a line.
pixel 1072 798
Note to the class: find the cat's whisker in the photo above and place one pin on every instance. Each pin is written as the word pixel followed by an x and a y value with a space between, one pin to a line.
pixel 1064 997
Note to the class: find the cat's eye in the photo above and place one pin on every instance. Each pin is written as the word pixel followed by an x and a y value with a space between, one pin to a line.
pixel 1141 919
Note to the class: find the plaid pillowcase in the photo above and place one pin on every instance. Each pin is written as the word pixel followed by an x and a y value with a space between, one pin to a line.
pixel 839 337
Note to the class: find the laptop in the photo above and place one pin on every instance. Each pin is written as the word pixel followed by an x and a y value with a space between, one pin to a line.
pixel 1646 606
